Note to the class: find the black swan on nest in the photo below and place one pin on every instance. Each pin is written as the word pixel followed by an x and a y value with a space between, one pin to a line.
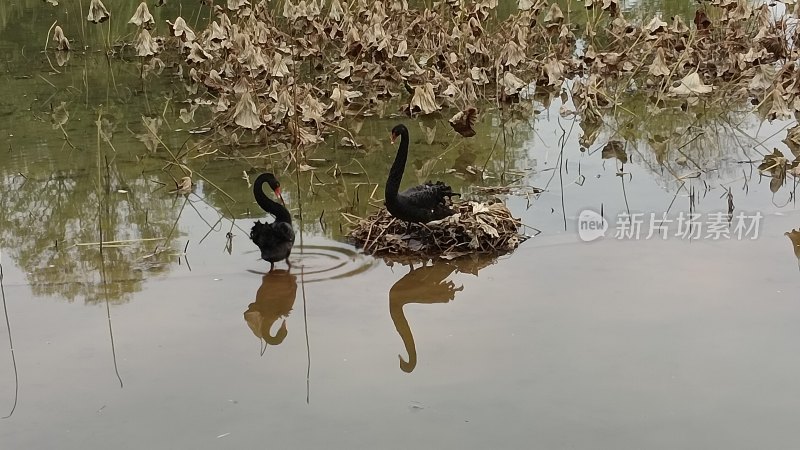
pixel 422 203
pixel 275 240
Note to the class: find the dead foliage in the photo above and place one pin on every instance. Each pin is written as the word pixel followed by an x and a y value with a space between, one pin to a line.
pixel 463 122
pixel 778 166
pixel 794 235
pixel 475 228
pixel 296 70
pixel 289 72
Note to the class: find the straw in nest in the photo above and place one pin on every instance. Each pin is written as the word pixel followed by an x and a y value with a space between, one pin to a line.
pixel 487 228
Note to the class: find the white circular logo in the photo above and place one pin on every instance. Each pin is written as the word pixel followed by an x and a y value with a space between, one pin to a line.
pixel 591 225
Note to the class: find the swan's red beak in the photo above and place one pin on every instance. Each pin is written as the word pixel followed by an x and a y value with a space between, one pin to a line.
pixel 394 136
pixel 278 193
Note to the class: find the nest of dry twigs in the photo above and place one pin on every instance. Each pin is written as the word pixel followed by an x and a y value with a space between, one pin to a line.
pixel 475 228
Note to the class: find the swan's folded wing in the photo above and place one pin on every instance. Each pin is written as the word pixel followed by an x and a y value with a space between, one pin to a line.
pixel 284 231
pixel 271 234
pixel 427 195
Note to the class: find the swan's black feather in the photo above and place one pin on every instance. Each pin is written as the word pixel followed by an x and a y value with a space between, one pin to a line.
pixel 425 202
pixel 275 240
pixel 428 195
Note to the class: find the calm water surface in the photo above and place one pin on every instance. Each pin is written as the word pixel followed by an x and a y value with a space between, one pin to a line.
pixel 175 337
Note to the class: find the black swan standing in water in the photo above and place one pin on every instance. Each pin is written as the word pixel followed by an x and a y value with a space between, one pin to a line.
pixel 422 203
pixel 275 240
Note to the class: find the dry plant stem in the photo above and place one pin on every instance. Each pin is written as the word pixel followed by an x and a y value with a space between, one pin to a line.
pixel 350 218
pixel 221 218
pixel 46 40
pixel 174 158
pixel 10 345
pixel 174 225
pixel 369 233
pixel 108 35
pixel 213 227
pixel 505 148
pixel 624 192
pixel 736 127
pixel 107 43
pixel 305 325
pixel 85 79
pixel 332 125
pixel 104 196
pixel 83 25
pixel 668 79
pixel 123 241
pixel 200 155
pixel 215 186
pixel 108 317
pixel 143 87
pixel 379 236
pixel 99 194
pixel 48 82
pixel 164 114
pixel 66 137
pixel 110 145
pixel 689 158
pixel 491 152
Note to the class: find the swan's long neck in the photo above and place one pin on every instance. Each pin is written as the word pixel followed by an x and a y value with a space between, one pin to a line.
pixel 396 172
pixel 267 204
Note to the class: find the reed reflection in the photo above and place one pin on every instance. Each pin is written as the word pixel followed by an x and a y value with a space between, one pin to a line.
pixel 274 300
pixel 427 284
pixel 794 236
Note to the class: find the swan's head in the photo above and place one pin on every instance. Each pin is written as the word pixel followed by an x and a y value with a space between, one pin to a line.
pixel 275 185
pixel 399 130
pixel 273 182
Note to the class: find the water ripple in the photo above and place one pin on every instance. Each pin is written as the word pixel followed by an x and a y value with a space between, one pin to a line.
pixel 327 260
pixel 330 261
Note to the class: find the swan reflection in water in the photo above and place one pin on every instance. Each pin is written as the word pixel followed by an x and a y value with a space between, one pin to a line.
pixel 274 300
pixel 426 284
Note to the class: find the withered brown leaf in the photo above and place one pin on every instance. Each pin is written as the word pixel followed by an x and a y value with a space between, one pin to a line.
pixel 464 121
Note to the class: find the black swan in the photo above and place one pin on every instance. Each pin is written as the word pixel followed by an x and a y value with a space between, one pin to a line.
pixel 275 240
pixel 422 203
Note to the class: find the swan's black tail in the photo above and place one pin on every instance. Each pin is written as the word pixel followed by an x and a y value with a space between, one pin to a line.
pixel 441 190
pixel 443 194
